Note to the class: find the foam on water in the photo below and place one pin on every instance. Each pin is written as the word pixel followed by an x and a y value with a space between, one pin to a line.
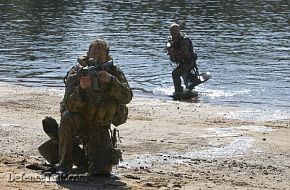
pixel 254 128
pixel 238 146
pixel 235 145
pixel 259 115
pixel 224 92
pixel 163 90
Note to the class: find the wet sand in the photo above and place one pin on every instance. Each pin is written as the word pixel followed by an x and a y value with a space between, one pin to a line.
pixel 165 144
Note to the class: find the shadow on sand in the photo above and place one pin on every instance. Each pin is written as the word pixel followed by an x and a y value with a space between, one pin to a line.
pixel 93 182
pixel 78 179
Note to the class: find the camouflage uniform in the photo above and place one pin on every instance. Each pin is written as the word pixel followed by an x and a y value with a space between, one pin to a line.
pixel 89 114
pixel 184 55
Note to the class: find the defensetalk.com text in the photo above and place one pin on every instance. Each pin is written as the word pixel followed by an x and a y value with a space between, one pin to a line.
pixel 45 177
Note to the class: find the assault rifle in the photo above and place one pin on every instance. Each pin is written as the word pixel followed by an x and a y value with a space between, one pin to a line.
pixel 93 71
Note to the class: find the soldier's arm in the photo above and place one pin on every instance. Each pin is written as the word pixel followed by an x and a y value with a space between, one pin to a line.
pixel 119 88
pixel 71 82
pixel 74 101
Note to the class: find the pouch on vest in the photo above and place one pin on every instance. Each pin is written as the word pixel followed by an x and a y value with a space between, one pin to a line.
pixel 116 156
pixel 121 115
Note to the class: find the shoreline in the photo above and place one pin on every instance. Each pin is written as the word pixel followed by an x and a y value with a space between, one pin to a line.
pixel 165 144
pixel 258 112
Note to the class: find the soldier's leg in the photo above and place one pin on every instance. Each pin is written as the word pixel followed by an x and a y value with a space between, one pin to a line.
pixel 99 150
pixel 70 126
pixel 177 73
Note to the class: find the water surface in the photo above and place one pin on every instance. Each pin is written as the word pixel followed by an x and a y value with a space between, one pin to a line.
pixel 245 45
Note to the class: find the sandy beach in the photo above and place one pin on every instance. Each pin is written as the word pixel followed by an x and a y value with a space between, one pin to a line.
pixel 165 144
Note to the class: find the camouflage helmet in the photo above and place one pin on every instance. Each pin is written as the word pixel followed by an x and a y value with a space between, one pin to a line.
pixel 100 43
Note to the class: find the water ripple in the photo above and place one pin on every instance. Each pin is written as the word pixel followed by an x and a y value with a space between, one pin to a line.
pixel 244 45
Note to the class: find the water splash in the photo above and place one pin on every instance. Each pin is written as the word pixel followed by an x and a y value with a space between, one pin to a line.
pixel 163 90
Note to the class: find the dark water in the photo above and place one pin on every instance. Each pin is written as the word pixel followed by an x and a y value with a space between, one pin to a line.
pixel 244 44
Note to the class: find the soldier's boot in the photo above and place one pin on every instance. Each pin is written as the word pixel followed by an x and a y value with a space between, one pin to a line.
pixel 50 152
pixel 102 165
pixel 178 91
pixel 99 164
pixel 79 157
pixel 98 169
pixel 50 149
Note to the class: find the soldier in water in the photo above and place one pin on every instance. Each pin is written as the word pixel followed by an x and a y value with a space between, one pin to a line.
pixel 181 52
